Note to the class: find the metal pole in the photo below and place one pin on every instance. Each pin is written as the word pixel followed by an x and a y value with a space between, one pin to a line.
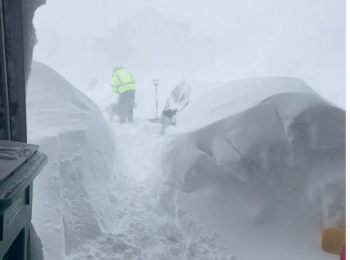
pixel 156 83
pixel 156 102
pixel 4 87
pixel 13 71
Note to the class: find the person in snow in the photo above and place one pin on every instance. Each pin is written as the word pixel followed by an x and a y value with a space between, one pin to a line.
pixel 123 83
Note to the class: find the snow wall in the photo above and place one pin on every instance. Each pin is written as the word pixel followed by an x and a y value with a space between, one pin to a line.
pixel 262 162
pixel 73 201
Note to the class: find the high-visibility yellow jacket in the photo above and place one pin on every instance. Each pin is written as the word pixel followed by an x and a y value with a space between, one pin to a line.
pixel 122 81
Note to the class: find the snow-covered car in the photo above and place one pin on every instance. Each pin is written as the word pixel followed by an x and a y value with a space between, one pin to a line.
pixel 267 154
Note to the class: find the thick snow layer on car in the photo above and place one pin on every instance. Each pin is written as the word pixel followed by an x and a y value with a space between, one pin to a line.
pixel 262 162
pixel 73 200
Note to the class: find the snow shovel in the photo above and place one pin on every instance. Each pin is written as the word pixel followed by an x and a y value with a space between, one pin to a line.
pixel 333 240
pixel 157 119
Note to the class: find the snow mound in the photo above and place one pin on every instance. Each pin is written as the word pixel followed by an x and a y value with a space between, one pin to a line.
pixel 224 99
pixel 73 195
pixel 263 158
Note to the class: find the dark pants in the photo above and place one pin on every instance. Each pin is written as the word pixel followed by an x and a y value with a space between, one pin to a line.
pixel 126 106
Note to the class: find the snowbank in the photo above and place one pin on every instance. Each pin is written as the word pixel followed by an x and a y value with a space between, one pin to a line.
pixel 79 210
pixel 262 162
pixel 73 197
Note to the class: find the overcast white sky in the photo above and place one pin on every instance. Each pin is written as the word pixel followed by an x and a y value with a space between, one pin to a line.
pixel 214 18
pixel 285 32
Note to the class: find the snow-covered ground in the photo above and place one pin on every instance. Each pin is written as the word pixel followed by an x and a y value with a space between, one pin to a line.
pixel 216 194
pixel 102 195
pixel 149 225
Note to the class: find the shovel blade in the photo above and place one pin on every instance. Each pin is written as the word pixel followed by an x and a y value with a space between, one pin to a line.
pixel 333 240
pixel 154 120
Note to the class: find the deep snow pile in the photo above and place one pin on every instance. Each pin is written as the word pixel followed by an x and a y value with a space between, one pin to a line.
pixel 80 211
pixel 73 199
pixel 261 162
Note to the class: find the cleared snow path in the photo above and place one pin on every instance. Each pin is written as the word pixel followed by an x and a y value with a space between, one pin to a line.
pixel 149 224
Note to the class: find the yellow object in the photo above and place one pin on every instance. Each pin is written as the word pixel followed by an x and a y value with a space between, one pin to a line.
pixel 122 81
pixel 333 240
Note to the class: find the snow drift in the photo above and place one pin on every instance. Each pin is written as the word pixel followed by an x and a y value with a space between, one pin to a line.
pixel 80 212
pixel 73 197
pixel 262 162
